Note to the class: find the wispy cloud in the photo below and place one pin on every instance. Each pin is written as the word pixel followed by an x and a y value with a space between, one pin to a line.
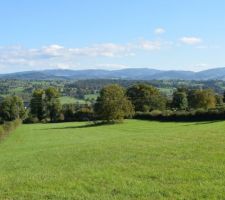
pixel 159 31
pixel 57 56
pixel 191 40
pixel 150 45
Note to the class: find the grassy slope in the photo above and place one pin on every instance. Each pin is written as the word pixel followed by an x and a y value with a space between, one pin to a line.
pixel 134 160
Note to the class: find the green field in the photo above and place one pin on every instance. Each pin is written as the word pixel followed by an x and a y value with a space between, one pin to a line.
pixel 134 160
pixel 71 100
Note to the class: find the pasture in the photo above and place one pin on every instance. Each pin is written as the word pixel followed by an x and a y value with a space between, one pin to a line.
pixel 133 160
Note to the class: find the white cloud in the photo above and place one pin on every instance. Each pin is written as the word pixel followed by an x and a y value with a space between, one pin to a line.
pixel 150 45
pixel 191 40
pixel 17 58
pixel 159 31
pixel 105 50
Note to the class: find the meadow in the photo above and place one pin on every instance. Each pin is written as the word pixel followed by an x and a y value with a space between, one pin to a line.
pixel 133 160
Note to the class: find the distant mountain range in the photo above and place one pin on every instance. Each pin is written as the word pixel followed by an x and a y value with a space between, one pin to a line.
pixel 129 73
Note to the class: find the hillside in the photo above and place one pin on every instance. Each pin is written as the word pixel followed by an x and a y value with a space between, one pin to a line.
pixel 129 73
pixel 134 160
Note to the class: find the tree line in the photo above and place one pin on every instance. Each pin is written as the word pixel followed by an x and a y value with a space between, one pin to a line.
pixel 113 104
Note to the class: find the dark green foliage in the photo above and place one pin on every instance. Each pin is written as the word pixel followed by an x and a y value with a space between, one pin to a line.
pixel 45 104
pixel 37 104
pixel 69 111
pixel 146 98
pixel 12 108
pixel 219 100
pixel 84 114
pixel 52 104
pixel 183 116
pixel 224 96
pixel 180 100
pixel 112 104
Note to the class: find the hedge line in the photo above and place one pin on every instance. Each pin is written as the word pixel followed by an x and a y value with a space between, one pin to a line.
pixel 182 116
pixel 8 127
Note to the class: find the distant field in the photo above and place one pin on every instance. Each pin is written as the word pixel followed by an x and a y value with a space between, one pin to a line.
pixel 71 100
pixel 91 96
pixel 167 91
pixel 134 160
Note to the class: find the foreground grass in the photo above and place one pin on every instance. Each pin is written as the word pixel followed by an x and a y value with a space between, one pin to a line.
pixel 133 160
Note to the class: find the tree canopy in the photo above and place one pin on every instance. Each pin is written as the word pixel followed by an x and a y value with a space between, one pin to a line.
pixel 12 108
pixel 113 104
pixel 146 98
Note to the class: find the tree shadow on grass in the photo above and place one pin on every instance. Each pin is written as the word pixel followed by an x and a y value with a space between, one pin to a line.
pixel 202 122
pixel 89 125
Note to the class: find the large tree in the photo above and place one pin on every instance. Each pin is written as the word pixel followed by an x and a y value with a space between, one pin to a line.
pixel 52 103
pixel 45 104
pixel 112 104
pixel 204 99
pixel 38 105
pixel 180 100
pixel 12 108
pixel 146 98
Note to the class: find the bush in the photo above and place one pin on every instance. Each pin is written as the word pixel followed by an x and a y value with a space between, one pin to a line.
pixel 31 119
pixel 9 126
pixel 183 116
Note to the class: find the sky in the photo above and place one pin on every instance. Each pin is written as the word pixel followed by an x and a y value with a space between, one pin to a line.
pixel 116 34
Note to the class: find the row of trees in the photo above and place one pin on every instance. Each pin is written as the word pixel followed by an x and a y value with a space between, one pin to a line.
pixel 113 104
pixel 116 103
pixel 45 104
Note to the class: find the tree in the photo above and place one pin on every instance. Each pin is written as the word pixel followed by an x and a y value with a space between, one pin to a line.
pixel 45 104
pixel 202 99
pixel 69 111
pixel 146 98
pixel 219 100
pixel 224 97
pixel 180 100
pixel 52 103
pixel 38 105
pixel 12 108
pixel 112 104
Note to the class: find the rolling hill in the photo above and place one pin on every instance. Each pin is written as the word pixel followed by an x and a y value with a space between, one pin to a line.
pixel 129 73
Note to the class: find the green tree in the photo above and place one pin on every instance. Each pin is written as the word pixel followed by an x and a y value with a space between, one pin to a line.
pixel 180 100
pixel 11 108
pixel 202 99
pixel 112 104
pixel 146 98
pixel 45 104
pixel 219 100
pixel 224 97
pixel 52 103
pixel 38 105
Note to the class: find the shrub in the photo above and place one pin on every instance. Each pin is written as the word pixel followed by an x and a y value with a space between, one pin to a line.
pixel 198 115
pixel 9 126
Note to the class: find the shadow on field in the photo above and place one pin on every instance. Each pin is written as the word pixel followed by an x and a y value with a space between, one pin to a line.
pixel 81 126
pixel 202 123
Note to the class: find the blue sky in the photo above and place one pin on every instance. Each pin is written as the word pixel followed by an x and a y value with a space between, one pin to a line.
pixel 103 34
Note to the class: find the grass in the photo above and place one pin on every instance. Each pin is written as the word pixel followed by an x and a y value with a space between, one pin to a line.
pixel 71 100
pixel 134 160
pixel 91 96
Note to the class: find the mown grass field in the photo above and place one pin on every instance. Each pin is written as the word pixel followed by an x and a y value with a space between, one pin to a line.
pixel 134 160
